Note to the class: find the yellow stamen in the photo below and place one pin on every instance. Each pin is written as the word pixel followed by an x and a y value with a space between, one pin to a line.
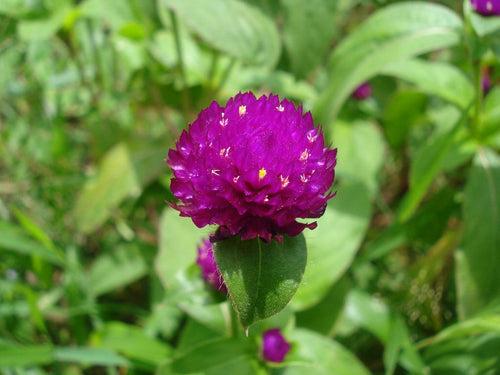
pixel 242 110
pixel 262 173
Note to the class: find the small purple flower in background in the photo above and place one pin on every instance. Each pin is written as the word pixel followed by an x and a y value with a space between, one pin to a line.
pixel 274 346
pixel 208 266
pixel 486 7
pixel 486 81
pixel 362 92
pixel 252 167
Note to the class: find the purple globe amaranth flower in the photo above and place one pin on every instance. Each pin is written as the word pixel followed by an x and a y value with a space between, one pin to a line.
pixel 252 167
pixel 208 266
pixel 486 7
pixel 274 346
pixel 362 92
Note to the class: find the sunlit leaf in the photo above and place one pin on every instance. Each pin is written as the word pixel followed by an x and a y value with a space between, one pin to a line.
pixel 396 32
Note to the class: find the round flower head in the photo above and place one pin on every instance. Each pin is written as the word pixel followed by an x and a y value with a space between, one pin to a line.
pixel 208 266
pixel 486 7
pixel 362 92
pixel 274 346
pixel 252 167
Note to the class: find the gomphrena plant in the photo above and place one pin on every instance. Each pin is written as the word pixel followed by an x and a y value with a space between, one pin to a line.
pixel 253 167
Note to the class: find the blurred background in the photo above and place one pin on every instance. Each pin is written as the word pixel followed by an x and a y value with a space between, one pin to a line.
pixel 98 274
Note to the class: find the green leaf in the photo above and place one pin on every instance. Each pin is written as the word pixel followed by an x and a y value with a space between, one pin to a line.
pixel 477 275
pixel 469 355
pixel 316 354
pixel 89 356
pixel 231 26
pixel 114 13
pixel 488 323
pixel 210 355
pixel 306 45
pixel 215 316
pixel 179 239
pixel 121 267
pixel 361 146
pixel 404 109
pixel 14 239
pixel 333 244
pixel 491 118
pixel 24 356
pixel 435 78
pixel 44 28
pixel 27 356
pixel 395 32
pixel 261 277
pixel 115 180
pixel 37 233
pixel 132 342
pixel 323 316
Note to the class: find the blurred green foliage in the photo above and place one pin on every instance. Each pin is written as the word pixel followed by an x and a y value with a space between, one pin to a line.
pixel 97 272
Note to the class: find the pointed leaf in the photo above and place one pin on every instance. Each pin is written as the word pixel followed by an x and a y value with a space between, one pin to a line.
pixel 261 277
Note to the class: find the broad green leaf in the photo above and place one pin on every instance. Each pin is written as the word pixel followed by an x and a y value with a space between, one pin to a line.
pixel 116 179
pixel 210 355
pixel 25 356
pixel 14 239
pixel 434 78
pixel 132 342
pixel 395 32
pixel 89 356
pixel 115 270
pixel 306 45
pixel 261 277
pixel 333 244
pixel 316 354
pixel 179 239
pixel 231 26
pixel 477 275
pixel 361 152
